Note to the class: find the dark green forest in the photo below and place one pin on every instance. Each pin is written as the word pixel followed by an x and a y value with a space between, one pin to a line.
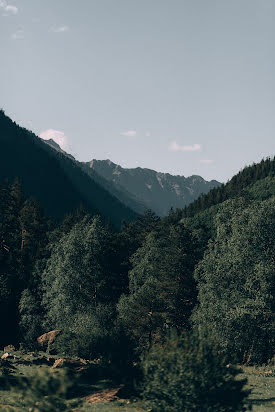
pixel 204 274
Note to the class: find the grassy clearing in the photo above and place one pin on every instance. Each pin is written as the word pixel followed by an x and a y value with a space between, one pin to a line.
pixel 93 393
pixel 102 395
pixel 261 381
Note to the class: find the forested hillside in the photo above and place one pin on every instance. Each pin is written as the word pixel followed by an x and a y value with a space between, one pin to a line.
pixel 233 187
pixel 203 285
pixel 52 178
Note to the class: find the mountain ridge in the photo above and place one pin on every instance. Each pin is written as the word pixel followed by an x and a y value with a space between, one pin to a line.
pixel 159 191
pixel 143 188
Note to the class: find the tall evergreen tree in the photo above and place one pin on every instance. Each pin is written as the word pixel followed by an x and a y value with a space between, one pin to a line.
pixel 11 198
pixel 162 289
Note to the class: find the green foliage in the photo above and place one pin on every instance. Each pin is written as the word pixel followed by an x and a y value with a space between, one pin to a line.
pixel 45 391
pixel 162 289
pixel 187 375
pixel 80 286
pixel 30 317
pixel 233 188
pixel 203 223
pixel 236 281
pixel 23 238
pixel 87 333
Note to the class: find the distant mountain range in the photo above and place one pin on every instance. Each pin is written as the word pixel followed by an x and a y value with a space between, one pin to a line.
pixel 141 188
pixel 157 191
pixel 61 183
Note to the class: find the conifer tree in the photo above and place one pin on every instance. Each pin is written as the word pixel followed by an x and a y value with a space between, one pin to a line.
pixel 10 203
pixel 162 289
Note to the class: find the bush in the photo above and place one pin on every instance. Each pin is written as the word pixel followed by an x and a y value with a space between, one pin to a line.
pixel 186 375
pixel 45 391
pixel 85 333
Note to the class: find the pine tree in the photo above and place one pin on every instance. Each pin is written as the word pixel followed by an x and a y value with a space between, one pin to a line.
pixel 10 203
pixel 162 289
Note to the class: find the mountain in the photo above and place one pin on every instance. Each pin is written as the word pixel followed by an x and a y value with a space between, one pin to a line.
pixel 53 177
pixel 157 191
pixel 116 190
pixel 56 146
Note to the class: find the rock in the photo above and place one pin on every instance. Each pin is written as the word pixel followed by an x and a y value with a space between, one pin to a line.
pixel 59 363
pixel 106 395
pixel 83 361
pixel 75 364
pixel 48 337
pixel 7 356
pixel 9 348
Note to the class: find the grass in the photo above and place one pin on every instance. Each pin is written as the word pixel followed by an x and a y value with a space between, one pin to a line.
pixel 261 382
pixel 102 393
pixel 25 365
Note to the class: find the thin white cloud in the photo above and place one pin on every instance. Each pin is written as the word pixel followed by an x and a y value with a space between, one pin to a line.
pixel 58 136
pixel 11 9
pixel 59 29
pixel 175 147
pixel 8 9
pixel 206 161
pixel 129 133
pixel 147 134
pixel 18 34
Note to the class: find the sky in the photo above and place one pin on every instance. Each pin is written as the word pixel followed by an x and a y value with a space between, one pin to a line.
pixel 179 86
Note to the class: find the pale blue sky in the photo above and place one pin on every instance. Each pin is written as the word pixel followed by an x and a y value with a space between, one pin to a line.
pixel 179 86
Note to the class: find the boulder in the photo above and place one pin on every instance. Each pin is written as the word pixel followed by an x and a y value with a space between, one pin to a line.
pixel 59 363
pixel 7 356
pixel 48 338
pixel 9 348
pixel 75 364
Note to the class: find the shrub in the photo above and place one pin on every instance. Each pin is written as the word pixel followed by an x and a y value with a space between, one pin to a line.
pixel 45 391
pixel 86 333
pixel 185 374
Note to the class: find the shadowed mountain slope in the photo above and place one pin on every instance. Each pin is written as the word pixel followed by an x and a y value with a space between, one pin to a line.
pixel 52 177
pixel 157 191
